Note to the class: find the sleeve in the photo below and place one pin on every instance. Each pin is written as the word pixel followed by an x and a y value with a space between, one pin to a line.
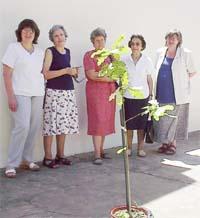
pixel 10 56
pixel 88 62
pixel 189 63
pixel 150 68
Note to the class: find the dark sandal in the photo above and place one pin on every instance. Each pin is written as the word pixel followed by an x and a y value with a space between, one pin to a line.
pixel 171 149
pixel 50 163
pixel 162 148
pixel 62 160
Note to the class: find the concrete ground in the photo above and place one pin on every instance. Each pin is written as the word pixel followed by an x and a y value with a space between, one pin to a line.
pixel 168 185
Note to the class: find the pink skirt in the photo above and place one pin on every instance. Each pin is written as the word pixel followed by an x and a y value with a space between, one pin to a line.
pixel 101 111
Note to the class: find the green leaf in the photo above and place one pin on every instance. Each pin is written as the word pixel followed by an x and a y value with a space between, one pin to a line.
pixel 118 42
pixel 119 151
pixel 136 92
pixel 119 98
pixel 117 71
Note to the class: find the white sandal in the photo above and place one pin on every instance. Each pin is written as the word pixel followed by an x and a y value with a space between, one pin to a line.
pixel 34 167
pixel 10 173
pixel 141 153
pixel 29 166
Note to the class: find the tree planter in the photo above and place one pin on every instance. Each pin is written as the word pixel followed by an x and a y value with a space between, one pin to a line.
pixel 116 211
pixel 117 71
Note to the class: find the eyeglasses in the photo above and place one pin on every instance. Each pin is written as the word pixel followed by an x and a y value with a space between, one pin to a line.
pixel 27 30
pixel 135 43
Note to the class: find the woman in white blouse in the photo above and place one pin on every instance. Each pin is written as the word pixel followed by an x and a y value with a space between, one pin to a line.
pixel 139 68
pixel 174 68
pixel 24 83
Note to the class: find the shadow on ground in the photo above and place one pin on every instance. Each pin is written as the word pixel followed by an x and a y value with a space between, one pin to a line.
pixel 168 185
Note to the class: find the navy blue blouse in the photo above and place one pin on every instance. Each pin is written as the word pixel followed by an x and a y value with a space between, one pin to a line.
pixel 165 86
pixel 60 61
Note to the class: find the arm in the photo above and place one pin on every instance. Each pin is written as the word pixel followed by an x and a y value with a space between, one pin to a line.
pixel 190 65
pixel 7 74
pixel 150 84
pixel 55 73
pixel 92 75
pixel 192 74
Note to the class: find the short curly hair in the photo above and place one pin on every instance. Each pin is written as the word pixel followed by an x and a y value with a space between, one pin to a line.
pixel 30 24
pixel 98 32
pixel 176 33
pixel 140 37
pixel 54 28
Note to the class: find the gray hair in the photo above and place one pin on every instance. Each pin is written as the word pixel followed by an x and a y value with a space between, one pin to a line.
pixel 98 32
pixel 54 28
pixel 177 33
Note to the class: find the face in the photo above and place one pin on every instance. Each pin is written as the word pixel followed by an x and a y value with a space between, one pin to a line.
pixel 136 45
pixel 172 41
pixel 27 35
pixel 59 38
pixel 99 42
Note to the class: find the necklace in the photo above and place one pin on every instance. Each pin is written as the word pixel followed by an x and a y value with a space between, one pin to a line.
pixel 29 50
pixel 136 59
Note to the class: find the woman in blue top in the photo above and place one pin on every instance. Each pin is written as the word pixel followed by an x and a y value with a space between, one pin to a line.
pixel 60 109
pixel 174 69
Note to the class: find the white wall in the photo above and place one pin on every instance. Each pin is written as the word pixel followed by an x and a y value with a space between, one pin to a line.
pixel 151 18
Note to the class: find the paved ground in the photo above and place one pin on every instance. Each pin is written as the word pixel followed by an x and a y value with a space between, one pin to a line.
pixel 168 185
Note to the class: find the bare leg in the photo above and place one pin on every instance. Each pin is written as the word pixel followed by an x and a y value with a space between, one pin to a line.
pixel 97 142
pixel 140 135
pixel 47 146
pixel 102 144
pixel 130 138
pixel 60 141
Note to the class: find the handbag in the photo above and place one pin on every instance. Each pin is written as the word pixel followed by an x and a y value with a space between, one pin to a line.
pixel 149 131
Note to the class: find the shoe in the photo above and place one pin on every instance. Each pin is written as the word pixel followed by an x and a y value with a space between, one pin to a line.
pixel 98 161
pixel 141 153
pixel 50 163
pixel 171 149
pixel 63 160
pixel 29 166
pixel 33 167
pixel 105 156
pixel 10 173
pixel 162 148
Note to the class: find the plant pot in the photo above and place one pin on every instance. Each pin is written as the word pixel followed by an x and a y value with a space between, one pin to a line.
pixel 120 208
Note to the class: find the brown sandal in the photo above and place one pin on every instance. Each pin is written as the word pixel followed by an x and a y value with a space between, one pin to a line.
pixel 62 160
pixel 162 148
pixel 171 149
pixel 50 163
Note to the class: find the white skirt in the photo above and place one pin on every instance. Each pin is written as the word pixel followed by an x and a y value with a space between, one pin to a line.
pixel 60 112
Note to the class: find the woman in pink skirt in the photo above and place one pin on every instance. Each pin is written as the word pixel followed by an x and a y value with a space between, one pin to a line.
pixel 101 111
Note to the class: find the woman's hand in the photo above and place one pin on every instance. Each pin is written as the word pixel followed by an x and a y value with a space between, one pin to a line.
pixel 12 103
pixel 73 71
pixel 107 79
pixel 191 74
